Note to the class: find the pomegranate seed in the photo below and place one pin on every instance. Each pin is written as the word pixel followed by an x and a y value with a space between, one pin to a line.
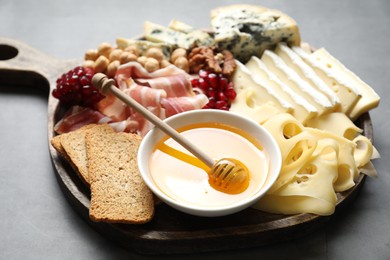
pixel 220 104
pixel 216 87
pixel 222 97
pixel 230 93
pixel 203 84
pixel 213 79
pixel 84 80
pixel 203 73
pixel 195 83
pixel 212 93
pixel 74 88
pixel 223 82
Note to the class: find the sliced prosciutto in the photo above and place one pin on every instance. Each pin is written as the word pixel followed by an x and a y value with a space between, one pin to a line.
pixel 174 85
pixel 177 105
pixel 165 92
pixel 136 71
pixel 77 117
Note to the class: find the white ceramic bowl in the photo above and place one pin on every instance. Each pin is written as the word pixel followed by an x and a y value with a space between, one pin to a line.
pixel 202 116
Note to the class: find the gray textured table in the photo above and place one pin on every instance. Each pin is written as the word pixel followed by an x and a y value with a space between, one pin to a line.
pixel 36 222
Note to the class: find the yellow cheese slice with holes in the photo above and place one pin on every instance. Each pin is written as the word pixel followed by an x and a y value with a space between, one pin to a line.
pixel 288 76
pixel 311 189
pixel 296 145
pixel 337 123
pixel 245 104
pixel 303 110
pixel 347 169
pixel 369 100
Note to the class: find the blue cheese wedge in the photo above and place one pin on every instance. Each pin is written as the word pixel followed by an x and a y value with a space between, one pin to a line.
pixel 303 110
pixel 248 30
pixel 348 94
pixel 369 100
pixel 305 72
pixel 178 34
pixel 288 76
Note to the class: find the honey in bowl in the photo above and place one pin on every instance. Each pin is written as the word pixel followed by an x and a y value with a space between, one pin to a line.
pixel 184 178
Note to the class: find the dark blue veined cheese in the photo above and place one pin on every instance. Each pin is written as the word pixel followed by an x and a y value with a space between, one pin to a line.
pixel 248 30
pixel 178 36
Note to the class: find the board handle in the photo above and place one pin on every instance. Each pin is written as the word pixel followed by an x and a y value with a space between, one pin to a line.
pixel 22 65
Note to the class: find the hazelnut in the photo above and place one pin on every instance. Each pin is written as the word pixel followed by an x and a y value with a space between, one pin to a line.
pixel 105 49
pixel 133 49
pixel 182 63
pixel 89 64
pixel 151 64
pixel 115 54
pixel 155 53
pixel 127 57
pixel 112 68
pixel 179 52
pixel 91 54
pixel 142 60
pixel 101 64
pixel 164 63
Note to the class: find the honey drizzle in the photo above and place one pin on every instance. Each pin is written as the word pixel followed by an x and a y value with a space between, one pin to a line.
pixel 190 159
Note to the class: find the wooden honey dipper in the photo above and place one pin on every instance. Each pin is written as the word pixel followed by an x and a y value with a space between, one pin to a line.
pixel 226 175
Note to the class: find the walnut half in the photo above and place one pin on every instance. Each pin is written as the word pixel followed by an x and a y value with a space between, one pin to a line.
pixel 208 58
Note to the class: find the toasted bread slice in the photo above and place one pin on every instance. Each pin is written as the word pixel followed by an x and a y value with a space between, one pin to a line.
pixel 118 192
pixel 72 147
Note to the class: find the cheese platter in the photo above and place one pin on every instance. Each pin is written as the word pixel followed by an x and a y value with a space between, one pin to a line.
pixel 171 231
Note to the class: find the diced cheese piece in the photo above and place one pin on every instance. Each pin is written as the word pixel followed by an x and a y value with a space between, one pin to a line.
pixel 337 123
pixel 288 76
pixel 243 79
pixel 369 99
pixel 305 72
pixel 302 111
pixel 248 30
pixel 348 94
pixel 245 105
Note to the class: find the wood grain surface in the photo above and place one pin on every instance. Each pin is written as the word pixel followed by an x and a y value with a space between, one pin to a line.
pixel 170 231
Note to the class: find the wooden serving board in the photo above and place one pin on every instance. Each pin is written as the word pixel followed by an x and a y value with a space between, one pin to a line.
pixel 170 232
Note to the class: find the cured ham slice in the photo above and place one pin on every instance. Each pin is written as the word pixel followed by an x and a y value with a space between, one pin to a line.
pixel 165 92
pixel 77 117
pixel 118 111
pixel 136 71
pixel 174 85
pixel 177 105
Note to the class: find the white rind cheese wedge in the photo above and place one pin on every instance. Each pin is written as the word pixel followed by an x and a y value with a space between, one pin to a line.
pixel 305 72
pixel 348 94
pixel 247 30
pixel 303 110
pixel 243 79
pixel 288 76
pixel 369 99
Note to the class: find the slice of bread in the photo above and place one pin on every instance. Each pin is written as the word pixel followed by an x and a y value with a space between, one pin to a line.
pixel 72 147
pixel 118 192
